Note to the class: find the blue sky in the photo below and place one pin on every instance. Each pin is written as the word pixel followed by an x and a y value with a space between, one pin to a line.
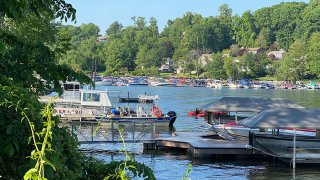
pixel 105 12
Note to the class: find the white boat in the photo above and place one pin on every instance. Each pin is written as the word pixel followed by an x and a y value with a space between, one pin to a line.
pixel 142 113
pixel 77 103
pixel 103 83
pixel 312 85
pixel 307 147
pixel 214 84
pixel 289 148
pixel 225 114
pixel 138 82
pixel 121 83
pixel 232 86
pixel 164 84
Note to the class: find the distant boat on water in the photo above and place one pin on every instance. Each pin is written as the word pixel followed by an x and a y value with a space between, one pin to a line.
pixel 162 82
pixel 138 82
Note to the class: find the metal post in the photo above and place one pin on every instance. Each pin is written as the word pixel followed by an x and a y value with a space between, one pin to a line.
pixel 134 129
pixel 236 117
pixel 91 131
pixel 128 97
pixel 153 130
pixel 112 135
pixel 294 150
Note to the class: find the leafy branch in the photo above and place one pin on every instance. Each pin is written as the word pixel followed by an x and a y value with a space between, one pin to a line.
pixel 187 174
pixel 120 169
pixel 39 153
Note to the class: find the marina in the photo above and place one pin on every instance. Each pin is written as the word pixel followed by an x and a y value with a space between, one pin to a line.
pixel 191 140
pixel 196 140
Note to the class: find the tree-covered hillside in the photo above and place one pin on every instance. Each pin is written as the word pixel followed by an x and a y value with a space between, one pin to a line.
pixel 141 49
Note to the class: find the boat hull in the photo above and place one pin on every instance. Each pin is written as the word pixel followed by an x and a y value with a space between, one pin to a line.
pixel 103 83
pixel 138 84
pixel 307 148
pixel 162 119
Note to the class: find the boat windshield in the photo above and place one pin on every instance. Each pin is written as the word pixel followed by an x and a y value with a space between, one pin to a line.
pixel 93 97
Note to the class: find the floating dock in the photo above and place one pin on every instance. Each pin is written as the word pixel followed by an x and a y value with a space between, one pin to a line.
pixel 203 144
pixel 133 100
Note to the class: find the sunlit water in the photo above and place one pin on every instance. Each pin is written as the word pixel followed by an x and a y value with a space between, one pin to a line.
pixel 168 164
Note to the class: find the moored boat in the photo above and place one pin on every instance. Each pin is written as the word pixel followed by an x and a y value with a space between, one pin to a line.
pixel 289 148
pixel 312 85
pixel 81 103
pixel 142 112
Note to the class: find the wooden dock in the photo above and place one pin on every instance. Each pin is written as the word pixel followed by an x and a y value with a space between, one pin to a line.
pixel 202 144
pixel 133 100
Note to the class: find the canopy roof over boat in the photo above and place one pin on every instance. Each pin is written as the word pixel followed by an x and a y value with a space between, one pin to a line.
pixel 248 104
pixel 284 118
pixel 95 98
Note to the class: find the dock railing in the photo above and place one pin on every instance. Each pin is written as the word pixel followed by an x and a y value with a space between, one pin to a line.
pixel 136 131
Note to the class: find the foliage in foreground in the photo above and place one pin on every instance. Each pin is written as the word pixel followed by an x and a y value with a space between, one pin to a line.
pixel 54 153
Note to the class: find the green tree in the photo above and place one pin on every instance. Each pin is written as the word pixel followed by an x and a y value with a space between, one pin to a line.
pixel 225 11
pixel 308 22
pixel 293 66
pixel 254 65
pixel 28 66
pixel 114 30
pixel 85 52
pixel 120 54
pixel 214 69
pixel 281 20
pixel 245 29
pixel 313 54
pixel 44 8
pixel 231 67
pixel 263 39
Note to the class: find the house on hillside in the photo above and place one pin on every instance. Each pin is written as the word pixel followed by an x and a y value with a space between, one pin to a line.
pixel 204 59
pixel 102 38
pixel 179 70
pixel 167 66
pixel 276 55
pixel 258 50
pixel 225 55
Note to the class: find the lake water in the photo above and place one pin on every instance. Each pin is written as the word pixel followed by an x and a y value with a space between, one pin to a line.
pixel 168 164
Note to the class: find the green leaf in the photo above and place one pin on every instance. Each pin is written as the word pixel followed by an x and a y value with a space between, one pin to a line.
pixel 29 174
pixel 9 129
pixel 46 161
pixel 9 150
pixel 2 48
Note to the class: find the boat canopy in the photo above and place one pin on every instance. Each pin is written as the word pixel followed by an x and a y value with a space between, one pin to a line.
pixel 95 98
pixel 71 85
pixel 248 104
pixel 301 118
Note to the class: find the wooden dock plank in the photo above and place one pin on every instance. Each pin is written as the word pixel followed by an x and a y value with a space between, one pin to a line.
pixel 200 144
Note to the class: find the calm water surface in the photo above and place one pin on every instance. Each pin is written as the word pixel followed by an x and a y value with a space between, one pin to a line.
pixel 168 164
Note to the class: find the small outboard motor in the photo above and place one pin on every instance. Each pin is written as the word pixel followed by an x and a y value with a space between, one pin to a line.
pixel 196 111
pixel 173 117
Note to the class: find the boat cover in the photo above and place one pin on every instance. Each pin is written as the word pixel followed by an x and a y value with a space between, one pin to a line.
pixel 248 104
pixel 281 118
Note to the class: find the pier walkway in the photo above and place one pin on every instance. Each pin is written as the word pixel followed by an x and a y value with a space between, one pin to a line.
pixel 135 131
pixel 198 144
pixel 201 144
